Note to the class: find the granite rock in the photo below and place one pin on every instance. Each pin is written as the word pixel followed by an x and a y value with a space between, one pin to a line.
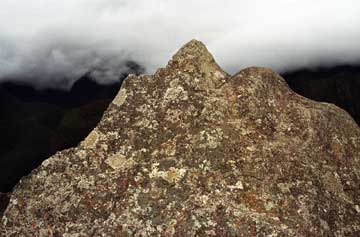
pixel 193 151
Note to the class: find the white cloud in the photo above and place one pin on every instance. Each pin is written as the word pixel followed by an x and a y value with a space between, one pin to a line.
pixel 52 40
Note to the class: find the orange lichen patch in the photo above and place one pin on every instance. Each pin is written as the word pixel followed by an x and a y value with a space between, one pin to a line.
pixel 253 202
pixel 259 205
pixel 337 149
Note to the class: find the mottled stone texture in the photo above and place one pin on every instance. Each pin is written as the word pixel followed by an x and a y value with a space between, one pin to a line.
pixel 192 151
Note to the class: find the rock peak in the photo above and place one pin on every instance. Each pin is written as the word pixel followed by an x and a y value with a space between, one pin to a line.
pixel 195 59
pixel 193 48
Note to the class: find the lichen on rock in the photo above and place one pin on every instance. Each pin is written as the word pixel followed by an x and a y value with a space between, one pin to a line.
pixel 193 151
pixel 119 162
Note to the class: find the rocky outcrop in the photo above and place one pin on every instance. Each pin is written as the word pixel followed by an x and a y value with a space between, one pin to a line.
pixel 192 151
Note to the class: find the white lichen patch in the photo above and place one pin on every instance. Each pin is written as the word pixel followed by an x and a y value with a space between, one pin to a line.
pixel 145 109
pixel 175 94
pixel 173 115
pixel 238 185
pixel 146 123
pixel 210 138
pixel 202 200
pixel 174 83
pixel 205 165
pixel 86 182
pixel 46 162
pixel 251 148
pixel 168 148
pixel 112 135
pixel 219 74
pixel 173 175
pixel 82 154
pixel 357 208
pixel 269 205
pixel 120 162
pixel 284 187
pixel 120 97
pixel 91 140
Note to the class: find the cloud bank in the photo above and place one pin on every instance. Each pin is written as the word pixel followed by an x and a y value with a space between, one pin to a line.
pixel 52 43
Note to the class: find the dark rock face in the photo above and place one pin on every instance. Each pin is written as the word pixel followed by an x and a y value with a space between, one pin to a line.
pixel 338 85
pixel 192 151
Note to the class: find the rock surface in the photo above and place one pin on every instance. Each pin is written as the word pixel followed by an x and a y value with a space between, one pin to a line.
pixel 192 151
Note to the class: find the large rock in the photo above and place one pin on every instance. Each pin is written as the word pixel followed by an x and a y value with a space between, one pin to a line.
pixel 192 151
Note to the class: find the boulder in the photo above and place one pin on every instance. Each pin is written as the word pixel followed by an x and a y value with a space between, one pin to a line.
pixel 193 151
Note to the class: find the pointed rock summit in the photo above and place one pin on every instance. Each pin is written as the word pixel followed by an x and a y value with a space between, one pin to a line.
pixel 194 50
pixel 192 151
pixel 195 55
pixel 194 58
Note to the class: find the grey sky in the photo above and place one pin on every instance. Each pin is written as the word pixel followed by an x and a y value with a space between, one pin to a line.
pixel 52 40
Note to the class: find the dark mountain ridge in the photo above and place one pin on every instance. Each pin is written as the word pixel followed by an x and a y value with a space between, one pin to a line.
pixel 37 123
pixel 339 85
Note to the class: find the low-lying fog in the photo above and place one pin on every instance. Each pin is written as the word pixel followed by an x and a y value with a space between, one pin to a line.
pixel 52 43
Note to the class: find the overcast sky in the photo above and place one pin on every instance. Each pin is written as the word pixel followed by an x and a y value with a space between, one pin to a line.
pixel 46 41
